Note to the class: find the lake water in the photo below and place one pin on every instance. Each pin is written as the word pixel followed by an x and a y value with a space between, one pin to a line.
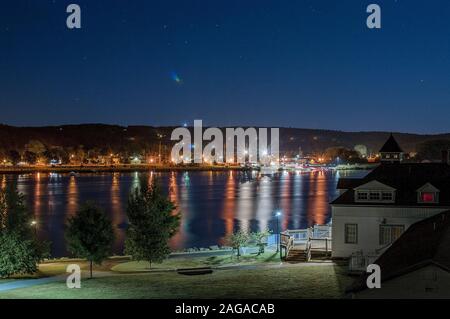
pixel 212 204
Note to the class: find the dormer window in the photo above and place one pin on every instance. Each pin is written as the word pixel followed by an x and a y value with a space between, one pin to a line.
pixel 362 195
pixel 374 195
pixel 426 197
pixel 374 192
pixel 428 194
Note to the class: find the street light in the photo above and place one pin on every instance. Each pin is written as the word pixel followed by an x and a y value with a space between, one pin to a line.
pixel 34 225
pixel 277 215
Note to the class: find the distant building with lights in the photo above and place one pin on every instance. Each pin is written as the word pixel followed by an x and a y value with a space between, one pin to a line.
pixel 391 152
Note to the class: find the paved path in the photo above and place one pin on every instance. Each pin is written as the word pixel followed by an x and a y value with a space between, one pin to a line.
pixel 25 283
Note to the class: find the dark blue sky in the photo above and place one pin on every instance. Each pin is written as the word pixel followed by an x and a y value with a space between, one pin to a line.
pixel 305 63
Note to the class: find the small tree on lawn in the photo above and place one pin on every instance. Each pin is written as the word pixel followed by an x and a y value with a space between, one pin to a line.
pixel 152 221
pixel 260 239
pixel 90 235
pixel 237 240
pixel 18 256
pixel 20 251
pixel 14 216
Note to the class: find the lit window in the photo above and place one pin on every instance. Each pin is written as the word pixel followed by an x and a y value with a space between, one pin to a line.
pixel 427 197
pixel 351 233
pixel 390 233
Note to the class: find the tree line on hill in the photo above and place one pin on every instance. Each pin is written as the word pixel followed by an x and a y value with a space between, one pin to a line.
pixel 90 141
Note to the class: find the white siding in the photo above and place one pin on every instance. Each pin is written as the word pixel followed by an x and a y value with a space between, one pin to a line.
pixel 369 220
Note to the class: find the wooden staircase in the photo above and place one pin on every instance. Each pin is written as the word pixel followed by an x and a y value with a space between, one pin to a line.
pixel 296 256
pixel 304 245
pixel 300 255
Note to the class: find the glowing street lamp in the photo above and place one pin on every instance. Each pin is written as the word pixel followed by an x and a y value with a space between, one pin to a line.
pixel 277 215
pixel 34 225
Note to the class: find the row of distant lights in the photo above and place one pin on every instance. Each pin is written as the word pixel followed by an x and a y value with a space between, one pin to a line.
pixel 230 160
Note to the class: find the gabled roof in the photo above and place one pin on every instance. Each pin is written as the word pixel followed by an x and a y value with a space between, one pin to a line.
pixel 375 185
pixel 428 187
pixel 406 178
pixel 347 183
pixel 425 242
pixel 391 146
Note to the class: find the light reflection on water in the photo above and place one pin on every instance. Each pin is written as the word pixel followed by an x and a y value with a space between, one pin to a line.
pixel 212 204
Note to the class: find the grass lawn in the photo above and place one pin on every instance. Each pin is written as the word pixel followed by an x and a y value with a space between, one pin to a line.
pixel 306 281
pixel 58 267
pixel 190 262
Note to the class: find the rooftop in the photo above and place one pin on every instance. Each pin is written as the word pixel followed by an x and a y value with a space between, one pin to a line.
pixel 406 178
pixel 425 242
pixel 391 146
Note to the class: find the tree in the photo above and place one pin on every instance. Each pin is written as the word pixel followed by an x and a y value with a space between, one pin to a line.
pixel 30 157
pixel 152 222
pixel 18 256
pixel 89 234
pixel 343 154
pixel 35 146
pixel 14 216
pixel 260 239
pixel 432 149
pixel 20 250
pixel 361 149
pixel 237 240
pixel 14 157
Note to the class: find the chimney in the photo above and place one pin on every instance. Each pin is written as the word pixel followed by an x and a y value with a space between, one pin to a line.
pixel 444 156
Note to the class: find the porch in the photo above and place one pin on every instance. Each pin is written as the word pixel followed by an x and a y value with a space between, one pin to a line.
pixel 302 245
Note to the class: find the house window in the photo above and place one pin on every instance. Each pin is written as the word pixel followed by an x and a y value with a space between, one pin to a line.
pixel 374 196
pixel 386 196
pixel 362 195
pixel 390 233
pixel 427 197
pixel 351 233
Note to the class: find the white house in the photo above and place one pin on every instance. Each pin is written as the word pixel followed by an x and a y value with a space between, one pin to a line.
pixel 372 212
pixel 417 265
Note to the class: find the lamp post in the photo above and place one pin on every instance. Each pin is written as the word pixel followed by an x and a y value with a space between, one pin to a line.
pixel 277 215
pixel 34 225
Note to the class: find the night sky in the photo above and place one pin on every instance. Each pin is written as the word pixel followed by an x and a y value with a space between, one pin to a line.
pixel 305 63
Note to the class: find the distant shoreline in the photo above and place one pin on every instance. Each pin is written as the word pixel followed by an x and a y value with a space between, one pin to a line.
pixel 141 168
pixel 114 168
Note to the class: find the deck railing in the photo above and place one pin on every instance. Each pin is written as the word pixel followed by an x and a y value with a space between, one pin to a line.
pixel 316 238
pixel 321 244
pixel 308 251
pixel 287 243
